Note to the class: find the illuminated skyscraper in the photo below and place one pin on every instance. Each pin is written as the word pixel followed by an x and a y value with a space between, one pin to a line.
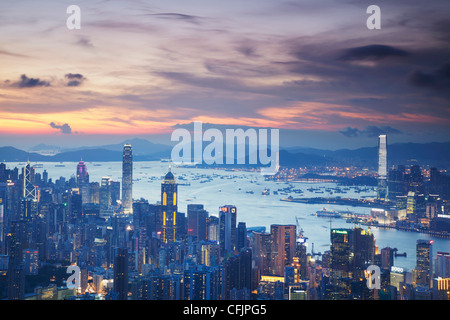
pixel 382 167
pixel 127 179
pixel 340 264
pixel 29 190
pixel 169 200
pixel 283 247
pixel 424 262
pixel 82 174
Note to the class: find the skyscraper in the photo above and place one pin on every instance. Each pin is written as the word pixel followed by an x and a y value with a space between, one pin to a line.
pixel 424 262
pixel 340 264
pixel 227 229
pixel 197 217
pixel 382 167
pixel 283 247
pixel 82 174
pixel 169 200
pixel 127 179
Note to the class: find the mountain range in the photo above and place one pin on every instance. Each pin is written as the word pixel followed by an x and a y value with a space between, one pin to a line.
pixel 433 154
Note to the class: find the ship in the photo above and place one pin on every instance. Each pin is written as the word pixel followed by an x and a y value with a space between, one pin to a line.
pixel 328 214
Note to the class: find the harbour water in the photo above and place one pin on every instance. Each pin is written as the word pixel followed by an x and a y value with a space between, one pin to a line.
pixel 214 188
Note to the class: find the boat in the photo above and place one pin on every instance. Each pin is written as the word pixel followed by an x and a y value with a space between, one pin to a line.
pixel 328 214
pixel 266 192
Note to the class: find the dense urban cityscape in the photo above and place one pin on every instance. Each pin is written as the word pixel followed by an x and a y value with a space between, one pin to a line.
pixel 130 249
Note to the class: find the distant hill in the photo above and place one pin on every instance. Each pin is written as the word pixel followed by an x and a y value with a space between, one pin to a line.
pixel 433 154
pixel 140 147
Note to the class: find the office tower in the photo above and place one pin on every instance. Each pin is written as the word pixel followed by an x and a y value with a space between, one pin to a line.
pixel 76 207
pixel 3 173
pixel 283 247
pixel 415 180
pixel 169 202
pixel 261 247
pixel 442 267
pixel 241 236
pixel 424 262
pixel 387 258
pixel 410 204
pixel 127 179
pixel 105 194
pixel 197 217
pixel 45 177
pixel 82 174
pixel 227 229
pixel 396 183
pixel 94 193
pixel 121 274
pixel 301 256
pixel 340 264
pixel 114 187
pixel 363 249
pixel 29 190
pixel 212 227
pixel 382 167
pixel 141 209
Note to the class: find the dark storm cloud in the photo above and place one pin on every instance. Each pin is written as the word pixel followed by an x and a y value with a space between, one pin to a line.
pixel 372 52
pixel 74 79
pixel 26 82
pixel 65 128
pixel 369 131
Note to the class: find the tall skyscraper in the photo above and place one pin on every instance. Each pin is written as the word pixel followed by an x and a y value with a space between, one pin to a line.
pixel 382 167
pixel 169 202
pixel 197 217
pixel 127 179
pixel 29 190
pixel 283 247
pixel 227 229
pixel 340 264
pixel 424 262
pixel 82 174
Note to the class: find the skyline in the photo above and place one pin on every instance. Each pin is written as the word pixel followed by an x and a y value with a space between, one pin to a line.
pixel 135 69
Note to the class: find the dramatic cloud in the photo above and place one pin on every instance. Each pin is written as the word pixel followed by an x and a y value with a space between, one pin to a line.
pixel 372 52
pixel 65 128
pixel 26 82
pixel 74 79
pixel 370 131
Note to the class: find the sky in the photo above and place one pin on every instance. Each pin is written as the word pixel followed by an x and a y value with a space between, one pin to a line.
pixel 312 69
